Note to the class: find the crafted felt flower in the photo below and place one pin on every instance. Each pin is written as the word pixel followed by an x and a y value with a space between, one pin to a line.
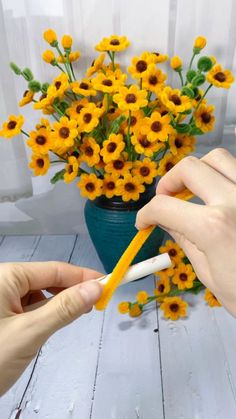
pixel 167 163
pixel 211 299
pixel 135 310
pixel 165 273
pixel 73 56
pixel 129 188
pixel 76 107
pixel 113 147
pixel 106 83
pixel 90 186
pixel 197 99
pixel 174 308
pixel 40 141
pixel 117 73
pixel 119 166
pixel 44 123
pixel 96 65
pixel 204 118
pixel 162 286
pixel 90 151
pixel 114 43
pixel 65 132
pixel 44 102
pixel 71 168
pixel 66 42
pixel 183 276
pixel 27 98
pixel 49 57
pixel 123 307
pixel 157 57
pixel 176 63
pixel 145 170
pixel 181 144
pixel 174 251
pixel 40 164
pixel 154 79
pixel 59 86
pixel 88 117
pixel 174 101
pixel 112 113
pixel 139 67
pixel 200 42
pixel 50 36
pixel 135 119
pixel 142 297
pixel 156 127
pixel 109 185
pixel 220 77
pixel 84 88
pixel 130 98
pixel 12 127
pixel 144 146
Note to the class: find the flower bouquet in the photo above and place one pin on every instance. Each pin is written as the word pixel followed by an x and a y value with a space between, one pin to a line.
pixel 115 131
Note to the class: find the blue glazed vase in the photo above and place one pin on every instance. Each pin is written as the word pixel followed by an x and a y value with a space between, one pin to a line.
pixel 110 223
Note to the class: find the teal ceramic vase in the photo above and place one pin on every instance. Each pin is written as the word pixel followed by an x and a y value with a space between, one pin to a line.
pixel 110 224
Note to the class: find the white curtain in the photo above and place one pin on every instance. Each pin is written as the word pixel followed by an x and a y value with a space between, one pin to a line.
pixel 165 25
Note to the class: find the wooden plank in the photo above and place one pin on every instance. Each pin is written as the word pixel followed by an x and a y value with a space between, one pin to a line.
pixel 18 248
pixel 128 384
pixel 1 239
pixel 196 370
pixel 64 376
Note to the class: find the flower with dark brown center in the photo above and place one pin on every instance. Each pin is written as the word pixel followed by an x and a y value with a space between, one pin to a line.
pixel 174 307
pixel 178 143
pixel 115 42
pixel 206 117
pixel 110 185
pixel 58 85
pixel 153 80
pixel 141 66
pixel 220 76
pixel 89 151
pixel 169 166
pixel 40 163
pixel 129 187
pixel 163 113
pixel 118 164
pixel 111 147
pixel 161 288
pixel 40 140
pixel 64 132
pixel 183 277
pixel 78 108
pixel 107 82
pixel 130 98
pixel 156 126
pixel 145 171
pixel 87 117
pixel 144 142
pixel 90 187
pixel 70 169
pixel 112 110
pixel 11 124
pixel 84 85
pixel 133 121
pixel 172 252
pixel 75 154
pixel 175 99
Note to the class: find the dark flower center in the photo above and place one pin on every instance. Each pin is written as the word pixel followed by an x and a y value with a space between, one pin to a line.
pixel 118 164
pixel 89 151
pixel 156 126
pixel 115 42
pixel 198 97
pixel 26 93
pixel 145 171
pixel 153 80
pixel 40 140
pixel 64 132
pixel 129 187
pixel 161 287
pixel 130 98
pixel 163 113
pixel 156 53
pixel 78 108
pixel 169 166
pixel 178 143
pixel 206 117
pixel 90 187
pixel 110 185
pixel 11 124
pixel 84 85
pixel 40 163
pixel 70 169
pixel 75 154
pixel 172 252
pixel 175 99
pixel 133 120
pixel 112 110
pixel 220 76
pixel 144 142
pixel 141 66
pixel 43 96
pixel 183 277
pixel 174 307
pixel 107 82
pixel 58 85
pixel 87 117
pixel 111 147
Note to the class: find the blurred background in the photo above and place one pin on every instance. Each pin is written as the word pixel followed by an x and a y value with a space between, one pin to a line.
pixel 31 205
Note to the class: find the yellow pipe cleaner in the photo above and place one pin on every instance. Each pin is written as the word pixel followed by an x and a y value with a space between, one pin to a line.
pixel 127 258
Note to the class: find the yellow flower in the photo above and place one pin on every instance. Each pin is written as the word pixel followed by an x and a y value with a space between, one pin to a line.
pixel 211 299
pixel 12 127
pixel 154 79
pixel 84 88
pixel 65 132
pixel 90 186
pixel 181 144
pixel 130 98
pixel 167 163
pixel 174 251
pixel 96 65
pixel 157 127
pixel 129 188
pixel 109 185
pixel 113 112
pixel 200 42
pixel 90 151
pixel 176 63
pixel 174 101
pixel 184 276
pixel 27 98
pixel 118 166
pixel 105 83
pixel 139 67
pixel 123 307
pixel 40 141
pixel 159 58
pixel 73 56
pixel 50 36
pixel 76 106
pixel 113 43
pixel 135 120
pixel 112 148
pixel 48 56
pixel 59 87
pixel 66 41
pixel 165 273
pixel 145 170
pixel 174 307
pixel 204 119
pixel 44 123
pixel 88 117
pixel 144 146
pixel 198 98
pixel 40 164
pixel 135 310
pixel 142 297
pixel 117 73
pixel 71 168
pixel 44 102
pixel 220 77
pixel 162 286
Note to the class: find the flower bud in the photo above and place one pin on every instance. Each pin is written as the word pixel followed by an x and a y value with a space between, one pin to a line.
pixel 199 44
pixel 27 74
pixel 15 68
pixel 198 80
pixel 204 64
pixel 176 63
pixel 34 86
pixel 50 36
pixel 49 57
pixel 66 42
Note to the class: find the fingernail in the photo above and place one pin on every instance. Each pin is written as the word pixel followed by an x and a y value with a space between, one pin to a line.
pixel 90 292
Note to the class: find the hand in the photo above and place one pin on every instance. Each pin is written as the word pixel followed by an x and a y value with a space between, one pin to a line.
pixel 27 318
pixel 206 233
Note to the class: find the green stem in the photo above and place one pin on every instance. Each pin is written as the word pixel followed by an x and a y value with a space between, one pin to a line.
pixel 141 83
pixel 191 61
pixel 128 135
pixel 58 110
pixel 149 96
pixel 58 65
pixel 72 70
pixel 25 133
pixel 207 90
pixel 65 63
pixel 113 60
pixel 181 77
pixel 68 65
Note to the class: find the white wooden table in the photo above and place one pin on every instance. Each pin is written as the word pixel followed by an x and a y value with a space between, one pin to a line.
pixel 108 366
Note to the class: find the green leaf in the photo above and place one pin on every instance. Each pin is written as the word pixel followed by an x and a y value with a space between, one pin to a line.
pixel 182 128
pixel 58 176
pixel 115 126
pixel 190 75
pixel 188 92
pixel 198 80
pixel 195 131
pixel 63 106
pixel 97 134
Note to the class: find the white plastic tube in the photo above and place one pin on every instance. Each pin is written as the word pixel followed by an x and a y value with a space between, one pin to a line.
pixel 139 270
